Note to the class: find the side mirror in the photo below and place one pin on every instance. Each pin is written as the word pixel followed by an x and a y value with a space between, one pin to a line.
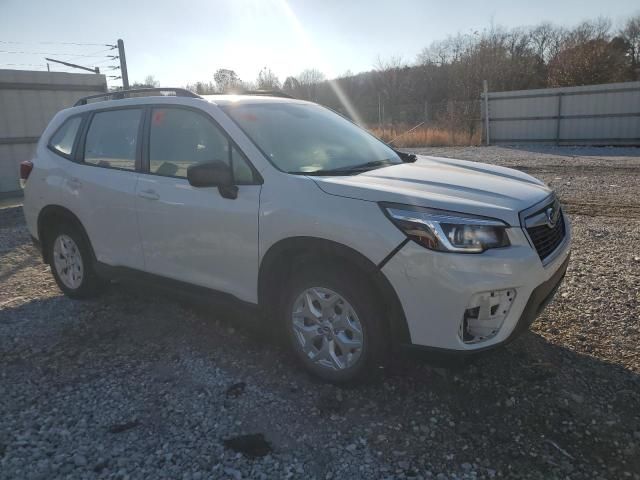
pixel 213 174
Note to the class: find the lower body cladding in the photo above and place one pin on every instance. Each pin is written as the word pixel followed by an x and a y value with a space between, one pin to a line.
pixel 463 303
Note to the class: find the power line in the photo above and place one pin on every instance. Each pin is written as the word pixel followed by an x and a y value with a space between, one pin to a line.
pixel 51 53
pixel 105 61
pixel 57 43
pixel 24 64
pixel 94 54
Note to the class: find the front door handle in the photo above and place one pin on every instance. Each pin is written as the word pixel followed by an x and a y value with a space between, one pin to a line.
pixel 148 194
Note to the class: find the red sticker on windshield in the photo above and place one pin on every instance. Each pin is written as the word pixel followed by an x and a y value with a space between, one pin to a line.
pixel 250 117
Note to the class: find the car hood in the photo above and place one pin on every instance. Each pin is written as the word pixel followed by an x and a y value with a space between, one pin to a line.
pixel 444 183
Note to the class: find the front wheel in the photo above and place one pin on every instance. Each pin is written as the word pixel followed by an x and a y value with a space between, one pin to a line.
pixel 334 323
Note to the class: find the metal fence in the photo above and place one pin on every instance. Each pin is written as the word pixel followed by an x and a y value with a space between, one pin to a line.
pixel 28 101
pixel 606 114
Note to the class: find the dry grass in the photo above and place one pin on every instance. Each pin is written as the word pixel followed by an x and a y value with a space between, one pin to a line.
pixel 426 137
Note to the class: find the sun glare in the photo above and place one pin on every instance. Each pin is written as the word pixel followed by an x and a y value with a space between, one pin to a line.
pixel 313 53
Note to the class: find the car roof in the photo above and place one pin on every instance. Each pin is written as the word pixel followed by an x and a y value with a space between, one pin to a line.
pixel 222 100
pixel 218 100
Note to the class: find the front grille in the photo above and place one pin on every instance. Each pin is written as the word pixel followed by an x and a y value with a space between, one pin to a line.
pixel 545 238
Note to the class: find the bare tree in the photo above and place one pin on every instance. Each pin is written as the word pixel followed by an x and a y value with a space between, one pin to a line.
pixel 595 61
pixel 202 88
pixel 291 86
pixel 598 29
pixel 267 80
pixel 388 79
pixel 631 34
pixel 148 82
pixel 308 81
pixel 546 40
pixel 227 81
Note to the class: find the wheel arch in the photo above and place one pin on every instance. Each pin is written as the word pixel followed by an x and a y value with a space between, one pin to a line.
pixel 280 258
pixel 51 215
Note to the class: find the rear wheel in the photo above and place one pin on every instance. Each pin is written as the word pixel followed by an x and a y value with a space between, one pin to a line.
pixel 334 323
pixel 71 263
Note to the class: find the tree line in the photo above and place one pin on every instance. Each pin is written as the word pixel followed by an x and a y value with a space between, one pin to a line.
pixel 443 84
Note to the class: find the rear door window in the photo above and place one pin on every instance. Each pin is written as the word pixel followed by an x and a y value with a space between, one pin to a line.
pixel 62 141
pixel 112 139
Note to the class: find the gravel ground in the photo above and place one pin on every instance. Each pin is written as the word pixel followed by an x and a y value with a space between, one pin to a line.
pixel 138 385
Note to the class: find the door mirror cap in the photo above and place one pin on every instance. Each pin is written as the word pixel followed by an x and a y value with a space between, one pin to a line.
pixel 210 174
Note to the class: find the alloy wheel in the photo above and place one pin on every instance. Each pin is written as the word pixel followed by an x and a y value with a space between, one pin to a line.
pixel 67 261
pixel 327 328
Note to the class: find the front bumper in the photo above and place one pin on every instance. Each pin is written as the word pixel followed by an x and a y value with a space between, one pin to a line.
pixel 436 288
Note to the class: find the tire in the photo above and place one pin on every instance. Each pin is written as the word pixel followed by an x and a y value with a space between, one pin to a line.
pixel 71 261
pixel 357 317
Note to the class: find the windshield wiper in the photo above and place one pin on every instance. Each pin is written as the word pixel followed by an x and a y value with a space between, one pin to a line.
pixel 406 157
pixel 350 170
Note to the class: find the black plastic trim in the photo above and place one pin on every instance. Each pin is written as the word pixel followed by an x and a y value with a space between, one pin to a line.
pixel 172 286
pixel 142 148
pixel 121 94
pixel 392 254
pixel 63 212
pixel 321 248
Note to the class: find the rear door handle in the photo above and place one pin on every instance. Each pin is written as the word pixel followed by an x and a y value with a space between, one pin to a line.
pixel 148 194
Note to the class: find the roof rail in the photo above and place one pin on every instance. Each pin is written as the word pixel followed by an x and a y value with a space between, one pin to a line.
pixel 137 92
pixel 268 93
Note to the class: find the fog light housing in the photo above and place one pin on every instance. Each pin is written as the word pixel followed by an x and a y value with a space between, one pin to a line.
pixel 485 314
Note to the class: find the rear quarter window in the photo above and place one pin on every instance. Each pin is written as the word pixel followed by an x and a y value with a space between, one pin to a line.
pixel 63 140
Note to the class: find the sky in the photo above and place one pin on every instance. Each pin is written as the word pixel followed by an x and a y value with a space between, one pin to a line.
pixel 184 42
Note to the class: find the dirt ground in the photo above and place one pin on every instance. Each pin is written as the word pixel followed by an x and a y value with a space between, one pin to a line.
pixel 140 385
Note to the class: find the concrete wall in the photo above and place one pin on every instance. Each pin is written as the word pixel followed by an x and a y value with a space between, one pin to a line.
pixel 28 100
pixel 606 114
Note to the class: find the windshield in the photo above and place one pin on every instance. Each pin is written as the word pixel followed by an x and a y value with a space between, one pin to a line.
pixel 306 138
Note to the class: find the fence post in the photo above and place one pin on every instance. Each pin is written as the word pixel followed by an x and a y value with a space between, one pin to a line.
pixel 559 118
pixel 485 87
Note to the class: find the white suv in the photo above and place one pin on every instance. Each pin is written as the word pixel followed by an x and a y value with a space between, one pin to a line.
pixel 353 248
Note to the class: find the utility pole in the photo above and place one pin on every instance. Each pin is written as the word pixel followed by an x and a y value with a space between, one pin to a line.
pixel 123 65
pixel 485 88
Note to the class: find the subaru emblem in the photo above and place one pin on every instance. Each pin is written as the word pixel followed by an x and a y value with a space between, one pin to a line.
pixel 552 218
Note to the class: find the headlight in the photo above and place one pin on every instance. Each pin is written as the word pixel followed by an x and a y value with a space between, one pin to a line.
pixel 448 231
